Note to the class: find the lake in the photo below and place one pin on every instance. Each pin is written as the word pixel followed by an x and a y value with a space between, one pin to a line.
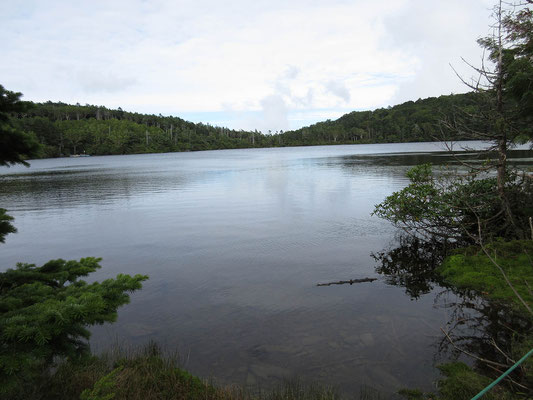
pixel 235 242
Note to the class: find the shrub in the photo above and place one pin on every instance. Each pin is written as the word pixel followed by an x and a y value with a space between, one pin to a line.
pixel 45 312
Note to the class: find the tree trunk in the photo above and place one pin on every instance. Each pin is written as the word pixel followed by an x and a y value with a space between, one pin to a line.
pixel 501 126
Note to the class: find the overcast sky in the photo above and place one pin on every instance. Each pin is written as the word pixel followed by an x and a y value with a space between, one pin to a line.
pixel 243 64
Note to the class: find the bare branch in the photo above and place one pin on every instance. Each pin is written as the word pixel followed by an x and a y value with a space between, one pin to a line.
pixel 528 288
pixel 508 377
pixel 484 360
pixel 473 87
pixel 507 357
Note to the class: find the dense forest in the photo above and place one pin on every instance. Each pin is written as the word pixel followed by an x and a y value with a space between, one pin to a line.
pixel 64 129
pixel 412 121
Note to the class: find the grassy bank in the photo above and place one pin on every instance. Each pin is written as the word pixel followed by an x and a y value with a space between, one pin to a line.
pixel 147 373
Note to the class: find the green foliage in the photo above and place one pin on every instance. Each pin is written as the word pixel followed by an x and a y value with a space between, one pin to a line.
pixel 462 383
pixel 5 225
pixel 411 121
pixel 413 394
pixel 421 174
pixel 521 345
pixel 15 145
pixel 453 206
pixel 419 206
pixel 103 388
pixel 150 374
pixel 64 129
pixel 470 268
pixel 72 377
pixel 147 373
pixel 45 312
pixel 518 82
pixel 74 129
pixel 294 390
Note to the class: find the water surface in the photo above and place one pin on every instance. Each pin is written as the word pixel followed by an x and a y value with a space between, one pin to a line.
pixel 234 242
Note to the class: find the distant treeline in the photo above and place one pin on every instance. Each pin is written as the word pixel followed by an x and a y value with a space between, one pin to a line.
pixel 412 121
pixel 64 129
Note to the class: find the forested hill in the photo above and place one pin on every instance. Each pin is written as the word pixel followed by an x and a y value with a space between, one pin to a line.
pixel 64 129
pixel 412 121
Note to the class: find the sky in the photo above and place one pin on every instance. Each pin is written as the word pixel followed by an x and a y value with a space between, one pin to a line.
pixel 266 65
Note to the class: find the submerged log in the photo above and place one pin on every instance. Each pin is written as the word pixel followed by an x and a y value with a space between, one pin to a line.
pixel 351 282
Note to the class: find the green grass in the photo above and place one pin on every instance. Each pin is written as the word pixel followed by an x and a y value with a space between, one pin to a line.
pixel 460 382
pixel 147 373
pixel 128 374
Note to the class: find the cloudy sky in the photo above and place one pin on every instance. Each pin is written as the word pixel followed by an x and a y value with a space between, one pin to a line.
pixel 244 64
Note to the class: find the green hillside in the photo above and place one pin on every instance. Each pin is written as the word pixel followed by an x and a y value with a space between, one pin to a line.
pixel 64 129
pixel 412 121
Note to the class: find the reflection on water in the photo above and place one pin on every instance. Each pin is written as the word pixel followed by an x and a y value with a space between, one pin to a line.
pixel 234 243
pixel 410 263
pixel 487 329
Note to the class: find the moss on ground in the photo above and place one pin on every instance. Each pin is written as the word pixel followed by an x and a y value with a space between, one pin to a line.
pixel 471 268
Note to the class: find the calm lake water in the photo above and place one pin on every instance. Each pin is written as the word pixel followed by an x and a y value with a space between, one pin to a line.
pixel 235 242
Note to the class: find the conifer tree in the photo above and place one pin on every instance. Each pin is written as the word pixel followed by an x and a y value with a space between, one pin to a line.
pixel 45 312
pixel 15 145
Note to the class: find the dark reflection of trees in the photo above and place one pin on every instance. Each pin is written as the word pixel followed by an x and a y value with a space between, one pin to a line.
pixel 515 157
pixel 488 330
pixel 411 264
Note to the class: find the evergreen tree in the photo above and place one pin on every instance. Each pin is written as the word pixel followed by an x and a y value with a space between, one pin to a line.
pixel 478 205
pixel 504 83
pixel 15 145
pixel 45 311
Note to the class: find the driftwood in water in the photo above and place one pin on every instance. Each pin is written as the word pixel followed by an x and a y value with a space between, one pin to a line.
pixel 351 282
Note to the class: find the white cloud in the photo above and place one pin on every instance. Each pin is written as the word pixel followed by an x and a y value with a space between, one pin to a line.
pixel 270 57
pixel 101 81
pixel 438 34
pixel 275 114
pixel 339 89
